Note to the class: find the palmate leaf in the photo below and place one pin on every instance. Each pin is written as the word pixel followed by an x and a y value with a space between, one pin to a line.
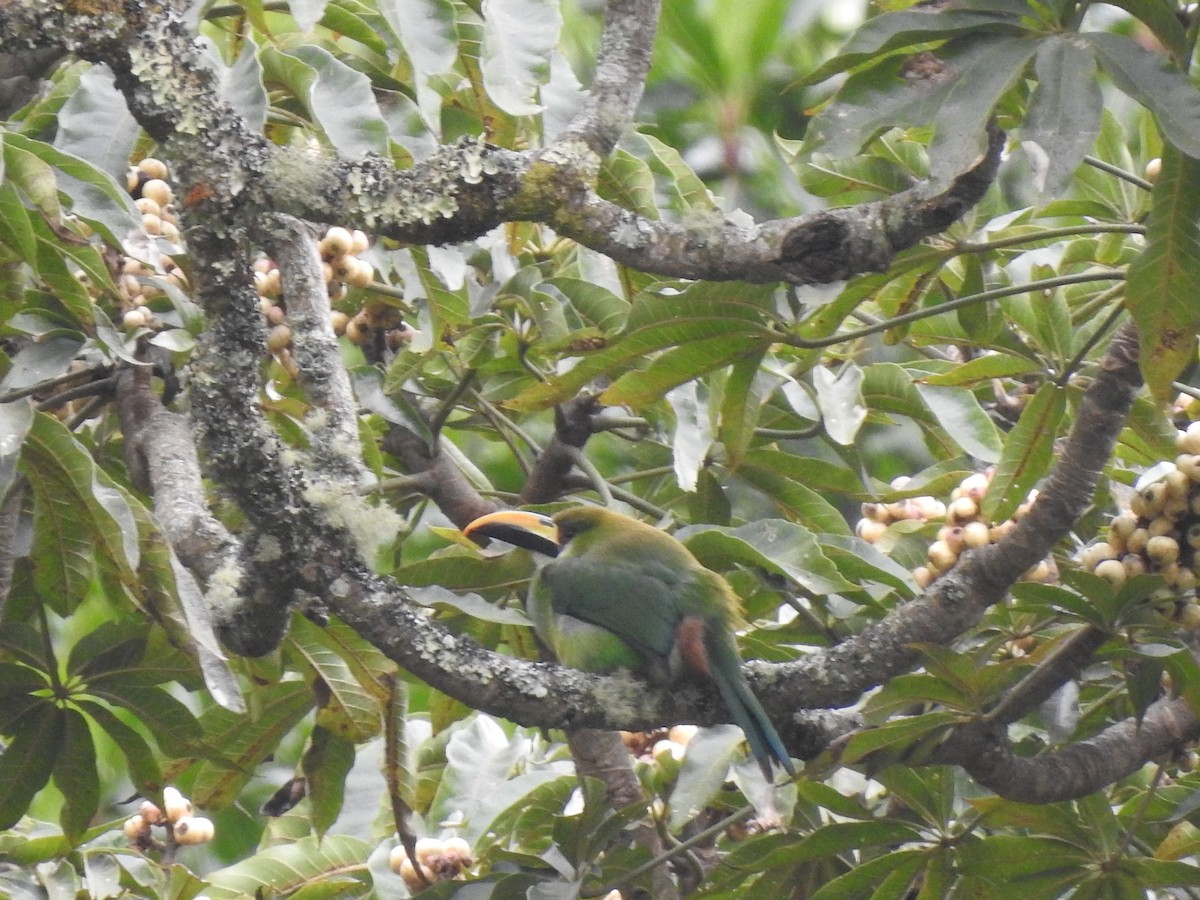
pixel 74 521
pixel 95 193
pixel 326 762
pixel 339 98
pixel 518 36
pixel 29 759
pixel 783 548
pixel 902 865
pixel 424 30
pixel 627 181
pixel 971 74
pixel 1161 288
pixel 76 777
pixel 782 478
pixel 1043 866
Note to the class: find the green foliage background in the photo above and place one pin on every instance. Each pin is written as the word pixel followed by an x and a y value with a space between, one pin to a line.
pixel 758 416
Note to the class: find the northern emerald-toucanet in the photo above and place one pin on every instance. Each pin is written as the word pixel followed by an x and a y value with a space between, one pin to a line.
pixel 618 593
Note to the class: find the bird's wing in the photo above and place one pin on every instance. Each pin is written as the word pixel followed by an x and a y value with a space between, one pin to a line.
pixel 634 602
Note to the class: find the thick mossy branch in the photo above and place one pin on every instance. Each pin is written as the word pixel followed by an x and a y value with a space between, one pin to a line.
pixel 229 174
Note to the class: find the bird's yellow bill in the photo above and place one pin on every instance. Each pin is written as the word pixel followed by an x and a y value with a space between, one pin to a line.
pixel 532 531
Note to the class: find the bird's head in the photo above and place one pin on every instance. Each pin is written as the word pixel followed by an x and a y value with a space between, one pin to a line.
pixel 547 535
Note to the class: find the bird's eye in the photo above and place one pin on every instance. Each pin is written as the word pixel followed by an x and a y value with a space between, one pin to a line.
pixel 568 530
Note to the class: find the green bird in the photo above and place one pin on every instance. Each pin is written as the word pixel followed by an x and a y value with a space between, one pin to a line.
pixel 618 593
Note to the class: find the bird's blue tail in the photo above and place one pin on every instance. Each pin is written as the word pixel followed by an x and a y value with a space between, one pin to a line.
pixel 765 743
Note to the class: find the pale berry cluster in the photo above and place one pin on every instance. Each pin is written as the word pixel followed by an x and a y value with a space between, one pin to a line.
pixel 437 860
pixel 154 198
pixel 144 279
pixel 176 818
pixel 876 517
pixel 964 528
pixel 1160 532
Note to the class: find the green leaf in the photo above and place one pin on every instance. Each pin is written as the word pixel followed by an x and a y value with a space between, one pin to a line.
pixel 1158 873
pixel 472 605
pixel 287 868
pixel 343 102
pixel 518 36
pixel 480 780
pixel 686 187
pixel 899 734
pixel 169 720
pixel 595 304
pixel 246 740
pixel 95 125
pixel 76 777
pixel 16 418
pixel 774 545
pixel 61 280
pixel 109 648
pixel 72 519
pixel 1150 79
pixel 1063 120
pixel 904 864
pixel 897 30
pixel 982 369
pixel 675 366
pixel 860 562
pixel 746 389
pixel 986 73
pixel 30 174
pixel 345 707
pixel 1027 454
pixel 627 181
pixel 424 30
pixel 963 420
pixel 706 318
pixel 143 768
pixel 854 179
pixel 781 477
pixel 703 772
pixel 16 232
pixel 94 192
pixel 1160 289
pixel 840 399
pixel 29 759
pixel 326 762
pixel 957 93
pixel 692 438
pixel 1008 858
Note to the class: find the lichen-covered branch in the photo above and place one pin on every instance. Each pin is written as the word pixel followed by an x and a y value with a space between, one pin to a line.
pixel 161 456
pixel 620 77
pixel 293 247
pixel 464 190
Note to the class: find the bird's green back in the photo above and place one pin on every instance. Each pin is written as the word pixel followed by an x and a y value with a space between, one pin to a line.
pixel 617 592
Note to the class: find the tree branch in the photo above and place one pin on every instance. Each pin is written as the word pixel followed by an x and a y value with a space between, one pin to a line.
pixel 955 602
pixel 622 65
pixel 1079 769
pixel 464 190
